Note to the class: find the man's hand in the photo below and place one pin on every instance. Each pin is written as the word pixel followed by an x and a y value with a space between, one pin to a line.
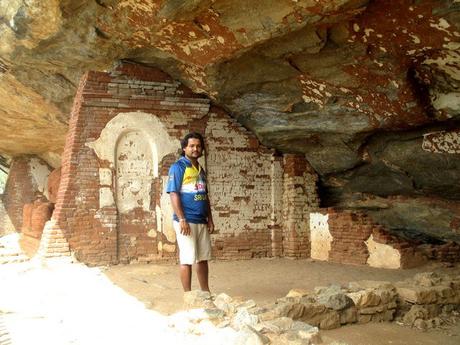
pixel 210 226
pixel 184 228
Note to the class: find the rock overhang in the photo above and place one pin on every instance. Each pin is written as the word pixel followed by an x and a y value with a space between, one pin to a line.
pixel 334 80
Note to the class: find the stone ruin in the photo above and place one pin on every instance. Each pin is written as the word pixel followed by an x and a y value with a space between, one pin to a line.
pixel 428 300
pixel 106 203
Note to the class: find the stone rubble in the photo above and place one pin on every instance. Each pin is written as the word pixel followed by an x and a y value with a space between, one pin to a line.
pixel 428 300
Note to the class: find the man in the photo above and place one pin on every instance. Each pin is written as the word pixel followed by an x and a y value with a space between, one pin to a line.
pixel 192 218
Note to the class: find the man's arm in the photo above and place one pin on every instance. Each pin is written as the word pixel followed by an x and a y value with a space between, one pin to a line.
pixel 210 221
pixel 177 207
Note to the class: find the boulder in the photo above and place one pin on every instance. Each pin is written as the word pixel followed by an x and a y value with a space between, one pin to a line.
pixel 276 326
pixel 249 336
pixel 365 298
pixel 243 318
pixel 335 301
pixel 417 294
pixel 198 299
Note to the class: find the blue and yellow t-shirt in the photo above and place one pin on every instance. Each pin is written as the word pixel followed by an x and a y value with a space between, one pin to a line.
pixel 190 183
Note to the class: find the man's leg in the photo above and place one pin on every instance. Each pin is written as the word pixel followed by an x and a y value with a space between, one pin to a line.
pixel 186 277
pixel 202 273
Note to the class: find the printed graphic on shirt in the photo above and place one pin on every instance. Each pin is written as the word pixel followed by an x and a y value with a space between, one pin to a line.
pixel 190 183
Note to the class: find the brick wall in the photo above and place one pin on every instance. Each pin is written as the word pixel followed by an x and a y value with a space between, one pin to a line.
pixel 349 232
pixel 101 218
pixel 240 187
pixel 351 237
pixel 35 215
pixel 26 180
pixel 6 226
pixel 299 199
pixel 123 136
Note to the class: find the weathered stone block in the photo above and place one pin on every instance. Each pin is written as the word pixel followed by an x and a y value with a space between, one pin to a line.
pixel 365 298
pixel 198 299
pixel 416 294
pixel 336 301
pixel 330 320
pixel 349 315
pixel 276 326
pixel 243 318
pixel 249 336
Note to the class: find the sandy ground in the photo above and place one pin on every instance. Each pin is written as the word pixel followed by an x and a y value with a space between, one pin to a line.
pixel 63 303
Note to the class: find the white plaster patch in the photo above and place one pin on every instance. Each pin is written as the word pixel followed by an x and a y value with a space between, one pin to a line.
pixel 6 226
pixel 166 214
pixel 158 217
pixel 105 176
pixel 106 197
pixel 169 248
pixel 382 255
pixel 152 233
pixel 159 140
pixel 320 236
pixel 40 173
pixel 132 241
pixel 134 172
pixel 134 143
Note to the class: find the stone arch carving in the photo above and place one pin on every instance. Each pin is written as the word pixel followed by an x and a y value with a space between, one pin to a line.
pixel 145 123
pixel 134 144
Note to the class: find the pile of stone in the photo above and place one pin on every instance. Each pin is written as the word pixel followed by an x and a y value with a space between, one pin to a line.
pixel 429 300
pixel 243 318
pixel 423 302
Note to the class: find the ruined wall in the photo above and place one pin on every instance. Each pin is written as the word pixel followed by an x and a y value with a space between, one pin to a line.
pixel 240 188
pixel 6 226
pixel 124 135
pixel 353 238
pixel 27 178
pixel 120 131
pixel 35 215
pixel 299 199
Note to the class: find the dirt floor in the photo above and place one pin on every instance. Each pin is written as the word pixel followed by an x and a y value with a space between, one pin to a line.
pixel 64 303
pixel 265 280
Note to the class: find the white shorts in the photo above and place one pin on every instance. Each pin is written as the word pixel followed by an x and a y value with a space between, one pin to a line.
pixel 196 247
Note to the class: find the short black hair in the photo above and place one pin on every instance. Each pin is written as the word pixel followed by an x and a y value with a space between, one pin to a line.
pixel 192 135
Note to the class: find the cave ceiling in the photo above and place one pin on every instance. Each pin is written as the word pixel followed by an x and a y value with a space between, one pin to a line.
pixel 362 88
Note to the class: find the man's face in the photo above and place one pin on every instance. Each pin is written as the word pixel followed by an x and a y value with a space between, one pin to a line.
pixel 193 150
